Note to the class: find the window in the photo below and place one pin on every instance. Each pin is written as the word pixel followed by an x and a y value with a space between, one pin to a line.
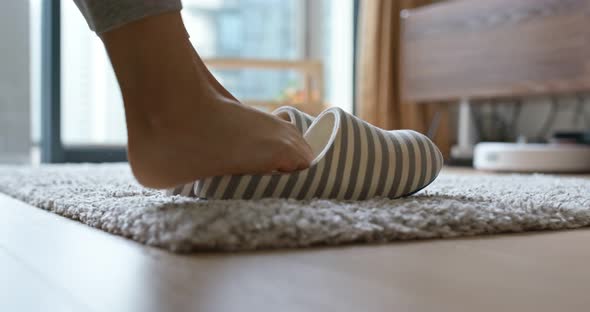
pixel 247 29
pixel 91 105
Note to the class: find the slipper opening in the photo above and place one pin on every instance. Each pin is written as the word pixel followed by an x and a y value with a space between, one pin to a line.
pixel 321 134
pixel 286 116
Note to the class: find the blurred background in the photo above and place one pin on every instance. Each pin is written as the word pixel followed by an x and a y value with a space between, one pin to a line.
pixel 59 100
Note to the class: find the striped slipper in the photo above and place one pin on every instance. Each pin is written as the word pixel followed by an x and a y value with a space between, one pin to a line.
pixel 353 160
pixel 298 118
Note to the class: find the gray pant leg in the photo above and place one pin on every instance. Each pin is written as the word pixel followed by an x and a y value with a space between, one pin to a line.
pixel 105 15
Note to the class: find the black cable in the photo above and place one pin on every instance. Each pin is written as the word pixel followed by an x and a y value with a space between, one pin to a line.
pixel 502 128
pixel 492 125
pixel 477 120
pixel 434 123
pixel 495 125
pixel 578 111
pixel 582 102
pixel 516 109
pixel 549 121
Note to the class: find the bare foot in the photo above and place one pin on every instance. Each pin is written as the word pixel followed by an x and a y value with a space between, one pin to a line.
pixel 181 124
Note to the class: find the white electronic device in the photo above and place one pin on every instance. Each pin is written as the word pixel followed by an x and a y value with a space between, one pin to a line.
pixel 527 157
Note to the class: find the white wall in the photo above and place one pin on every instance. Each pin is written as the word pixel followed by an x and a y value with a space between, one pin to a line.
pixel 15 137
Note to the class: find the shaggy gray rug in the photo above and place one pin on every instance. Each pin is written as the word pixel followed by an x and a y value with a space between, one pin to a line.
pixel 106 197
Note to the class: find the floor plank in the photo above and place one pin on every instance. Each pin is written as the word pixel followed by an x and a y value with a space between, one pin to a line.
pixel 69 265
pixel 22 289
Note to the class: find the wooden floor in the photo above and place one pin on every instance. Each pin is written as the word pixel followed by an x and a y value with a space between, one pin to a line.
pixel 49 263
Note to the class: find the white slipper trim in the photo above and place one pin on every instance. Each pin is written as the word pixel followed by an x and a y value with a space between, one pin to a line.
pixel 298 118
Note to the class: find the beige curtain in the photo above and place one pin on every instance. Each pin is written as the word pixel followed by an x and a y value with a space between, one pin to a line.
pixel 378 100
